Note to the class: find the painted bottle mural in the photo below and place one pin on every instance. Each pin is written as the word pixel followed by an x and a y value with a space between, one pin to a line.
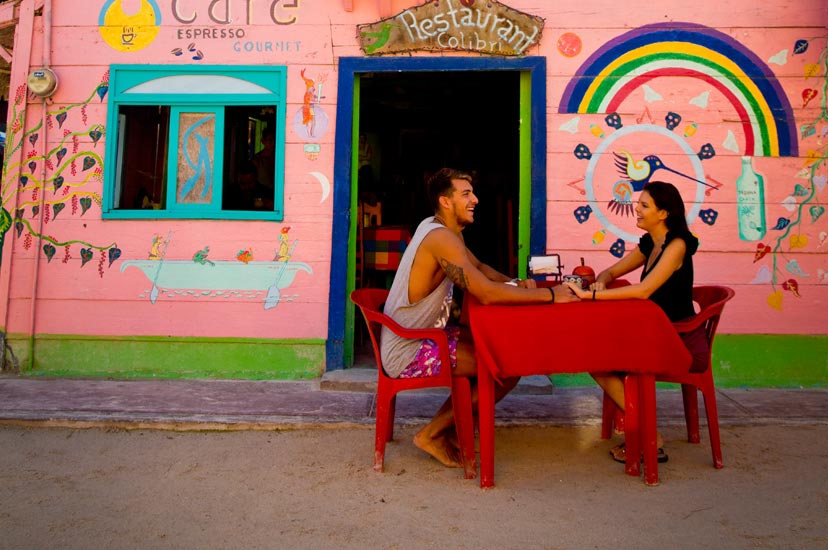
pixel 750 201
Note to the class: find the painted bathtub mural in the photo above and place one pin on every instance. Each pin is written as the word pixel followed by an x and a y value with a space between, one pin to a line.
pixel 202 277
pixel 39 187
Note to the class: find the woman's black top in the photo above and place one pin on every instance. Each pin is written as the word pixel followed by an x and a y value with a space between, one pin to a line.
pixel 675 296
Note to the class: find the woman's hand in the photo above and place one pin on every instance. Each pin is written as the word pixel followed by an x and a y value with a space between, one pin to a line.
pixel 598 285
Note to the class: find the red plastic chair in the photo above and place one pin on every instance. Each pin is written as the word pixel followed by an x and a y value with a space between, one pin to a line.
pixel 711 300
pixel 370 302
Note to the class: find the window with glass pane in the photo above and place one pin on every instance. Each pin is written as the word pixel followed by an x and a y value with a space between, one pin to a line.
pixel 215 154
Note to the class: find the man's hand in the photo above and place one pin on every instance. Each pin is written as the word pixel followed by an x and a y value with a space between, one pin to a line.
pixel 527 283
pixel 564 293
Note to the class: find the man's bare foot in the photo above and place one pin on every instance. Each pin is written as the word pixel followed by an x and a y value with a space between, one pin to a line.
pixel 439 448
pixel 451 438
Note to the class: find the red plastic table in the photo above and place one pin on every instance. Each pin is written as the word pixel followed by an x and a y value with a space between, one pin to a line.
pixel 633 336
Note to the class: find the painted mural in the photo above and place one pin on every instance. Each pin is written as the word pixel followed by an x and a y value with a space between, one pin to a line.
pixel 240 278
pixel 677 139
pixel 735 113
pixel 39 189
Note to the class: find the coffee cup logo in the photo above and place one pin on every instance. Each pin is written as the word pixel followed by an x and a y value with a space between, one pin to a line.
pixel 129 32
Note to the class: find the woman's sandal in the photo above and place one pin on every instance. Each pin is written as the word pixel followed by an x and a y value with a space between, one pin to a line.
pixel 619 454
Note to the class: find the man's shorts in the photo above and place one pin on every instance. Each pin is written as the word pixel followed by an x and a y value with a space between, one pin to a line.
pixel 427 361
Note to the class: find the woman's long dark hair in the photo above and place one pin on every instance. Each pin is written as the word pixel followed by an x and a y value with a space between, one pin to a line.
pixel 666 197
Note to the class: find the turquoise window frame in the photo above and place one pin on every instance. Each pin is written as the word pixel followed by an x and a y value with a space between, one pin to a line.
pixel 230 86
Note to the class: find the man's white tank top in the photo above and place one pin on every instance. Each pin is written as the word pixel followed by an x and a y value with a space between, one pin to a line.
pixel 430 312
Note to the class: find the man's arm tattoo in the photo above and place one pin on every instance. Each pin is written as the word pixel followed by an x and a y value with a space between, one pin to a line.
pixel 455 274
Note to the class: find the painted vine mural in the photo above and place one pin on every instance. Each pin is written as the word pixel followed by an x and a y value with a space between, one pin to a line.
pixel 70 168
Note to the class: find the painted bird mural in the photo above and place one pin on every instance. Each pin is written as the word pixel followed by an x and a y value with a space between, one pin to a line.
pixel 636 175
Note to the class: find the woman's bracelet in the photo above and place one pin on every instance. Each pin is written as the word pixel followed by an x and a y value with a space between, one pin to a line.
pixel 593 294
pixel 552 292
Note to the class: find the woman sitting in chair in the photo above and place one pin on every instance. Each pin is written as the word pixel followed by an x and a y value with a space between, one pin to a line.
pixel 666 253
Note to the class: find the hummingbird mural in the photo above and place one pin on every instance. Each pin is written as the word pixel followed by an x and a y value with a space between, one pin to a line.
pixel 636 174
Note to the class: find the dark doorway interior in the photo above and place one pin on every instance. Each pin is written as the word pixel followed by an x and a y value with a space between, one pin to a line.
pixel 412 124
pixel 417 122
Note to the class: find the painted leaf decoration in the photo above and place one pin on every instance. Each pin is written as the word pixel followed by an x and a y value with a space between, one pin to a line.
pixel 800 190
pixel 792 286
pixel 95 135
pixel 761 250
pixel 798 241
pixel 85 204
pixel 782 223
pixel 32 165
pixel 807 95
pixel 102 89
pixel 18 226
pixel 114 253
pixel 763 275
pixel 86 255
pixel 807 130
pixel 19 213
pixel 801 46
pixel 816 211
pixel 812 69
pixel 794 268
pixel 88 162
pixel 811 156
pixel 33 138
pixel 60 154
pixel 61 118
pixel 820 182
pixel 58 183
pixel 49 250
pixel 24 180
pixel 775 300
pixel 35 211
pixel 56 209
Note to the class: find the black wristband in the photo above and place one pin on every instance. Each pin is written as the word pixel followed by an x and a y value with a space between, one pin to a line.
pixel 552 292
pixel 593 294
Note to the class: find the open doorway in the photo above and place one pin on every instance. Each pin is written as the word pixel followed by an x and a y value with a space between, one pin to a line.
pixel 476 103
pixel 410 125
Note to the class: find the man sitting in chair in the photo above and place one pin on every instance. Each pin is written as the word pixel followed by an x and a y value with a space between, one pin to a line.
pixel 435 260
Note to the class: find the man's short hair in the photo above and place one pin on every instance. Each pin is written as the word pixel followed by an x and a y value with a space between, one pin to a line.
pixel 440 185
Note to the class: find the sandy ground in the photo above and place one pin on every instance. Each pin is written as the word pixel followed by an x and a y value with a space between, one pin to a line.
pixel 556 488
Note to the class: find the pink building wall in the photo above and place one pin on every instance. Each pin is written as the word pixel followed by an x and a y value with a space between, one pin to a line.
pixel 781 278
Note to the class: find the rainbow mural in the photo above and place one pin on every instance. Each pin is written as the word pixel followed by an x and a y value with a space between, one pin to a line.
pixel 685 49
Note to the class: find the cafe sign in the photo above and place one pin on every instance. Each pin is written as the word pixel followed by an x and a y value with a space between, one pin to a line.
pixel 482 26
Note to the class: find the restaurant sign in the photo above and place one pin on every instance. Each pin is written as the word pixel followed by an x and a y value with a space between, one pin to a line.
pixel 482 26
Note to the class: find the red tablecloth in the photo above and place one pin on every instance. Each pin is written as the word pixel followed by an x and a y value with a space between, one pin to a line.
pixel 384 246
pixel 632 336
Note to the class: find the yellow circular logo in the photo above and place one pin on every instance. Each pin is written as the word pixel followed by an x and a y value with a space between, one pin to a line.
pixel 129 32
